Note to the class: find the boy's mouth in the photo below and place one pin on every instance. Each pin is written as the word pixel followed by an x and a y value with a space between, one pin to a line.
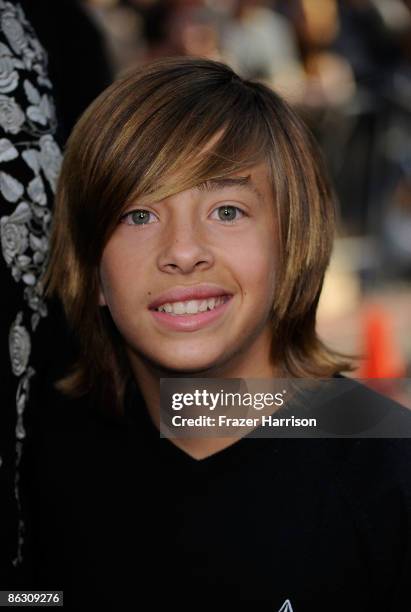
pixel 193 306
pixel 190 308
pixel 190 299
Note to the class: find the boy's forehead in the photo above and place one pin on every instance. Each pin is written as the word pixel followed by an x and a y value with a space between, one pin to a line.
pixel 255 180
pixel 219 161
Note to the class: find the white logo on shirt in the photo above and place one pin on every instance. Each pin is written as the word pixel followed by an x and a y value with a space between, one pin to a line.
pixel 286 607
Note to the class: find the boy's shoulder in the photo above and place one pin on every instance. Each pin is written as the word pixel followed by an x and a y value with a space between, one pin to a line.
pixel 361 446
pixel 349 408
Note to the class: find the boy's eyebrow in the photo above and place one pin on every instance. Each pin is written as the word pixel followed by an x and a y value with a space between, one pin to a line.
pixel 223 183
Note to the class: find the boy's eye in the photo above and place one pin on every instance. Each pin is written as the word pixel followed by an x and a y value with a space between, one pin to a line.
pixel 137 217
pixel 225 213
pixel 228 213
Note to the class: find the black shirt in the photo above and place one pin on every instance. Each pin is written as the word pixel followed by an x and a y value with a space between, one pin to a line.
pixel 124 520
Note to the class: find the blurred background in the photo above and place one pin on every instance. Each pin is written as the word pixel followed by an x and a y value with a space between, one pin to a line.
pixel 345 66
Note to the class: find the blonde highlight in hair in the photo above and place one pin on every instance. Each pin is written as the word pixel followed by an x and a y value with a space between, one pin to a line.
pixel 164 128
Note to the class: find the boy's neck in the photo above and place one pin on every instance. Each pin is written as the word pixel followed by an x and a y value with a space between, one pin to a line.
pixel 148 377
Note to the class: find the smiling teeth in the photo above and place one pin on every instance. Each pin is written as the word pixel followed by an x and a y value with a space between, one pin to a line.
pixel 191 306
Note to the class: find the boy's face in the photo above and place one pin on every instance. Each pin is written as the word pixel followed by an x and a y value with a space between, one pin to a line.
pixel 190 280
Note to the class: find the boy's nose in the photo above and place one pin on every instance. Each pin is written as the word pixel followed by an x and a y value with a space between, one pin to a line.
pixel 184 250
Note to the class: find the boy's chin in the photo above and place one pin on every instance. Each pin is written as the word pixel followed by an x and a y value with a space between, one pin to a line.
pixel 191 369
pixel 191 366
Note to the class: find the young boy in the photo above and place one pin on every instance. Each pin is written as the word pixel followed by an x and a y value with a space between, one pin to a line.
pixel 193 227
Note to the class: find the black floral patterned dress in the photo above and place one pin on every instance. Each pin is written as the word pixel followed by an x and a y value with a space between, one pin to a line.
pixel 35 344
pixel 30 159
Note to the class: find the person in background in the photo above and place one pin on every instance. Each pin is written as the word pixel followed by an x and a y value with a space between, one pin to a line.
pixel 51 66
pixel 260 44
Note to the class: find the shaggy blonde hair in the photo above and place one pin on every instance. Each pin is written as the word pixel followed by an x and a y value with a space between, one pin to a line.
pixel 158 130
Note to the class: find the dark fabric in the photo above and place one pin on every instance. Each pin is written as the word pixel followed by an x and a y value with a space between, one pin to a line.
pixel 29 162
pixel 123 520
pixel 34 340
pixel 79 66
